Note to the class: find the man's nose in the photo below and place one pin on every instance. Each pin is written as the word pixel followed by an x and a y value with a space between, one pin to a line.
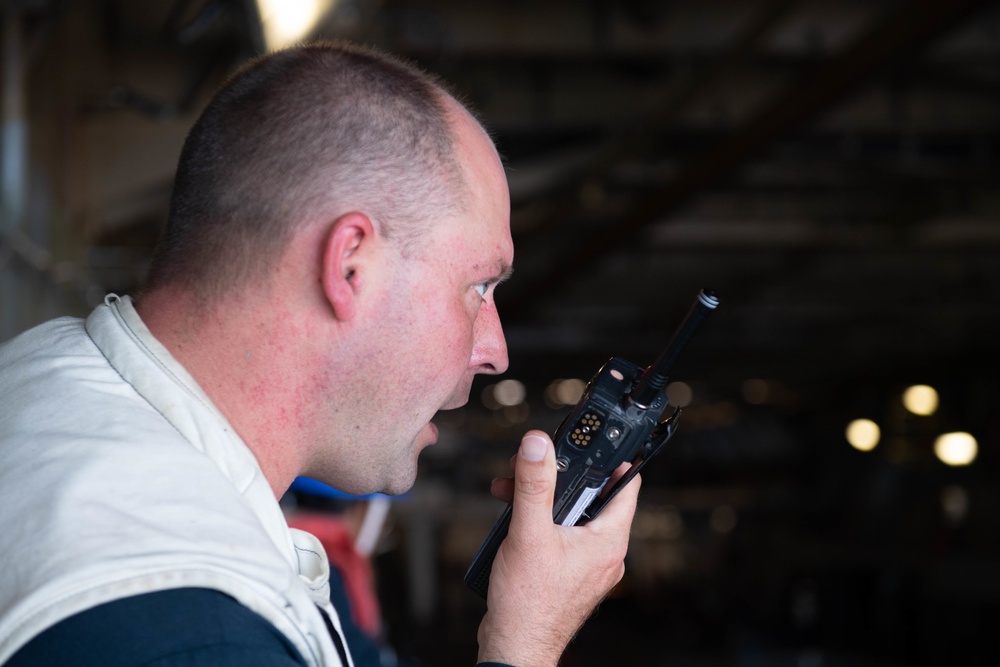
pixel 489 349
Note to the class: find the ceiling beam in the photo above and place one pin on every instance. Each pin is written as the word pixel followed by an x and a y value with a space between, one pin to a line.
pixel 911 26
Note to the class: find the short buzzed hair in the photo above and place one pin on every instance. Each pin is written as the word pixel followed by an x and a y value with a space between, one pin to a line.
pixel 304 135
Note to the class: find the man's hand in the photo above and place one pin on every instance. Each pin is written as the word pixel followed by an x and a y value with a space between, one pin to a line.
pixel 547 579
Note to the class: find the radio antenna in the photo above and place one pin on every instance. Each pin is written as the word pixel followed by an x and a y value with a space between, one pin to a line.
pixel 654 379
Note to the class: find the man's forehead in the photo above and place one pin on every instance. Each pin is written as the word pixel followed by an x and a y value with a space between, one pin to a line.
pixel 484 227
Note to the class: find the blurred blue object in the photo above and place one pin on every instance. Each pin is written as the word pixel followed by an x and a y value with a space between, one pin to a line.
pixel 317 488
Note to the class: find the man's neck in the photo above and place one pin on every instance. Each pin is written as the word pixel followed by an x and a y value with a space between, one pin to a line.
pixel 241 362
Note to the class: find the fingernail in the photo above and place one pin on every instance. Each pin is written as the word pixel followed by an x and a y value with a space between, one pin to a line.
pixel 533 448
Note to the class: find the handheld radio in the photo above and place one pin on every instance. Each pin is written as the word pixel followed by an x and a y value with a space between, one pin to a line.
pixel 617 420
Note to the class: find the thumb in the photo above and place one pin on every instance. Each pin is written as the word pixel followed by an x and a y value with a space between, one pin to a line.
pixel 534 479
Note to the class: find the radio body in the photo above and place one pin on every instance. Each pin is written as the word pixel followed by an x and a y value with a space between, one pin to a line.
pixel 617 420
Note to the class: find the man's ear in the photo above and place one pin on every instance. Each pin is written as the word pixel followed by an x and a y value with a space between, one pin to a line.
pixel 346 244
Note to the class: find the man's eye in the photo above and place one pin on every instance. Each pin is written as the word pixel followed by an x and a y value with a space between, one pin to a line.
pixel 483 288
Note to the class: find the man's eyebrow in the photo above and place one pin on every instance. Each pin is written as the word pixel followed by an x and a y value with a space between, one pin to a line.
pixel 504 271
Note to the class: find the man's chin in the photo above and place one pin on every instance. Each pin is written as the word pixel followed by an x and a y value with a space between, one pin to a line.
pixel 427 437
pixel 400 485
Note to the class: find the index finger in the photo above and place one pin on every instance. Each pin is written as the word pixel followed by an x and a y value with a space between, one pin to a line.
pixel 622 506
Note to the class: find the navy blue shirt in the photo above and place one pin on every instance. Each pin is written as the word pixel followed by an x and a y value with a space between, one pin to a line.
pixel 186 627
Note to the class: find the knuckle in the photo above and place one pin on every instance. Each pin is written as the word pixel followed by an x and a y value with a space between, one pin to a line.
pixel 533 487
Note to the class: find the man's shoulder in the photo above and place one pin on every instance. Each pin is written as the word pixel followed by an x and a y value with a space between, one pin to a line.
pixel 46 374
pixel 52 337
pixel 50 354
pixel 192 627
pixel 55 380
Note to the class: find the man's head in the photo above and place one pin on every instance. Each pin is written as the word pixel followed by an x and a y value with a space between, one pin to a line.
pixel 299 136
pixel 336 230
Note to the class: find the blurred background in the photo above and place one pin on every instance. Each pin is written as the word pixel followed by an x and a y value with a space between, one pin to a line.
pixel 829 167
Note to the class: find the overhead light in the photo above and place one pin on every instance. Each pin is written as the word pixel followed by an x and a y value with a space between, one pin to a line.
pixel 679 394
pixel 561 393
pixel 723 519
pixel 756 391
pixel 956 449
pixel 921 399
pixel 509 392
pixel 286 22
pixel 955 503
pixel 863 434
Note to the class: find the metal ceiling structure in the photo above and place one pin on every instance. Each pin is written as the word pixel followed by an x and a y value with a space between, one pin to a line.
pixel 818 163
pixel 830 168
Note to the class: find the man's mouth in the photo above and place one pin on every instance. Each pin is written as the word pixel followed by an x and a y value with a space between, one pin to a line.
pixel 433 433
